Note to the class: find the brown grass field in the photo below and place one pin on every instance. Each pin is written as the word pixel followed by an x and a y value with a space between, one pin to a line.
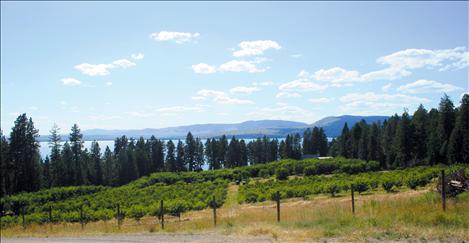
pixel 401 216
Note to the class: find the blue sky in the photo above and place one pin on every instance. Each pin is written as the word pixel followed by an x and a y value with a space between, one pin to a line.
pixel 122 65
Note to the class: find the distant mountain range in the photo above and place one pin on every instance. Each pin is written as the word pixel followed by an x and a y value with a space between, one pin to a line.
pixel 332 126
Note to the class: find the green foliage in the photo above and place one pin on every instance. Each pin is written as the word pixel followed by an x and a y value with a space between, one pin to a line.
pixel 336 183
pixel 281 174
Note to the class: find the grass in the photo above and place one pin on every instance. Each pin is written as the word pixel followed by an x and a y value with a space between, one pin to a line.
pixel 409 215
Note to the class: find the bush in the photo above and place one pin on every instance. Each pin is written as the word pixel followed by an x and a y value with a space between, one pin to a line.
pixel 137 212
pixel 281 174
pixel 310 170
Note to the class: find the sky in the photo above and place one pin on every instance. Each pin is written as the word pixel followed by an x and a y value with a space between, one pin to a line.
pixel 134 65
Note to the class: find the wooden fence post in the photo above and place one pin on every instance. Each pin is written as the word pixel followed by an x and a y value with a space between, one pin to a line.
pixel 214 206
pixel 118 216
pixel 277 197
pixel 81 217
pixel 162 214
pixel 22 216
pixel 50 214
pixel 443 189
pixel 353 200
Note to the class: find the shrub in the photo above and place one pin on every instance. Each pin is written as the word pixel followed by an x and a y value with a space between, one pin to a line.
pixel 137 212
pixel 281 174
pixel 310 170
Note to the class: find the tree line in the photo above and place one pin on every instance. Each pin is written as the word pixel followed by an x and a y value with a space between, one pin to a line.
pixel 70 164
pixel 425 138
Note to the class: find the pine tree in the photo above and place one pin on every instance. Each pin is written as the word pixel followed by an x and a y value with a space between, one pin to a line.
pixel 170 157
pixel 222 148
pixel 142 157
pixel 97 164
pixel 344 142
pixel 110 172
pixel 76 144
pixel 6 168
pixel 445 125
pixel 434 141
pixel 419 145
pixel 307 141
pixel 199 155
pixel 24 154
pixel 323 143
pixel 46 176
pixel 458 146
pixel 57 167
pixel 243 153
pixel 189 152
pixel 403 141
pixel 180 161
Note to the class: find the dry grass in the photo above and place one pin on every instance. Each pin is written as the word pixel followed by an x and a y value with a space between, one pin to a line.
pixel 397 216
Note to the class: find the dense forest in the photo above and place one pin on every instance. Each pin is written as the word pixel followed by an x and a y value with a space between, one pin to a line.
pixel 425 138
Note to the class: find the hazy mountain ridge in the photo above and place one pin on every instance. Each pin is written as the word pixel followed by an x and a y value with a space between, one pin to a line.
pixel 332 126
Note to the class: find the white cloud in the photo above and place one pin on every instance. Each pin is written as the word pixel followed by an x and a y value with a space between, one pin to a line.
pixel 198 98
pixel 427 86
pixel 180 109
pixel 178 37
pixel 379 103
pixel 231 66
pixel 104 69
pixel 139 114
pixel 283 112
pixel 284 94
pixel 137 56
pixel 264 83
pixel 336 75
pixel 94 69
pixel 108 83
pixel 301 85
pixel 243 90
pixel 386 87
pixel 221 97
pixel 240 66
pixel 400 64
pixel 255 48
pixel 445 59
pixel 320 100
pixel 71 81
pixel 123 63
pixel 203 68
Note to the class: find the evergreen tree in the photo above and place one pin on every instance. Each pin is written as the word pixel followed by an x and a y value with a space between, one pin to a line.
pixel 458 146
pixel 323 143
pixel 189 152
pixel 243 153
pixel 180 161
pixel 76 144
pixel 199 155
pixel 24 155
pixel 403 141
pixel 419 145
pixel 142 157
pixel 170 157
pixel 97 164
pixel 445 124
pixel 67 157
pixel 6 168
pixel 307 141
pixel 222 148
pixel 57 167
pixel 46 176
pixel 110 172
pixel 343 142
pixel 434 141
